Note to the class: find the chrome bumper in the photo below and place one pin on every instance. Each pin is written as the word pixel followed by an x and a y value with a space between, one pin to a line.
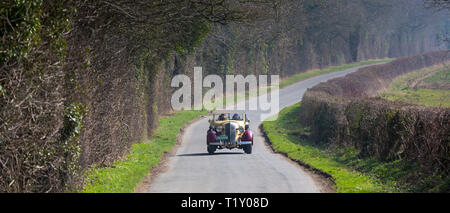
pixel 245 143
pixel 221 143
pixel 216 143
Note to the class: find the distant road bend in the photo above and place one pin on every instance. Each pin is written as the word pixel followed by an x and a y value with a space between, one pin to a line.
pixel 192 170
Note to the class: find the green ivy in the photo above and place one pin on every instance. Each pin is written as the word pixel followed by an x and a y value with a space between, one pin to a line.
pixel 20 31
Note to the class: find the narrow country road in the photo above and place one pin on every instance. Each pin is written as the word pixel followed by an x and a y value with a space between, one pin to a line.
pixel 191 169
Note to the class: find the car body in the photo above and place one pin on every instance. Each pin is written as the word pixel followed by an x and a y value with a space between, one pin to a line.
pixel 230 131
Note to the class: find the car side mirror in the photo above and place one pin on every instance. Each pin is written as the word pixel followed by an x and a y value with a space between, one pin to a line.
pixel 209 121
pixel 248 121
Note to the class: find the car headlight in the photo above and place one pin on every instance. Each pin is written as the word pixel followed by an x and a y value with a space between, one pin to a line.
pixel 219 128
pixel 241 129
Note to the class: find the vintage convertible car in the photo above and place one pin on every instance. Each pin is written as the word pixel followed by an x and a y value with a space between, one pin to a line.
pixel 229 130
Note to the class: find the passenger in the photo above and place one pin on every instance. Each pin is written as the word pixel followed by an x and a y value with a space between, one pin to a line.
pixel 221 117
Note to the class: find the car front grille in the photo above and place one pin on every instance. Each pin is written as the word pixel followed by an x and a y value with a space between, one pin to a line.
pixel 230 131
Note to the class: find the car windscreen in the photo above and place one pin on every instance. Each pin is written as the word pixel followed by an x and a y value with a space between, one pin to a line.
pixel 229 116
pixel 237 117
pixel 222 117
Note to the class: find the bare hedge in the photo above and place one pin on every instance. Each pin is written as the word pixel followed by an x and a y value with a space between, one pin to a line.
pixel 81 81
pixel 342 112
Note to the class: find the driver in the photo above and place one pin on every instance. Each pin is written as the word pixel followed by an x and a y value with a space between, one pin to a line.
pixel 236 117
pixel 222 117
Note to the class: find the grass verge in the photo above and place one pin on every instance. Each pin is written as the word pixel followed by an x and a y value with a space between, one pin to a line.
pixel 350 173
pixel 407 88
pixel 123 175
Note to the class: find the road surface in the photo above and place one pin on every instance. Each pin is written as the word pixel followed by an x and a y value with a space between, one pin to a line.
pixel 192 170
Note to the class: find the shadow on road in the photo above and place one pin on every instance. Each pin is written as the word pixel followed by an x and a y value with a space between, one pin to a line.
pixel 206 154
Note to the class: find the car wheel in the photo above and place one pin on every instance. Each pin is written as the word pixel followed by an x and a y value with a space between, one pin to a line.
pixel 248 149
pixel 211 149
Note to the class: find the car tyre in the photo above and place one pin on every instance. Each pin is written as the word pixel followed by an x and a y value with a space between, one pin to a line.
pixel 211 149
pixel 248 149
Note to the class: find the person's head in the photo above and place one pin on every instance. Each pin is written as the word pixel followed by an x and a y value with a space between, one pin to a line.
pixel 236 116
pixel 222 117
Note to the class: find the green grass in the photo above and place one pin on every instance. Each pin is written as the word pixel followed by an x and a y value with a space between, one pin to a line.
pixel 442 76
pixel 401 89
pixel 350 173
pixel 124 175
pixel 425 97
